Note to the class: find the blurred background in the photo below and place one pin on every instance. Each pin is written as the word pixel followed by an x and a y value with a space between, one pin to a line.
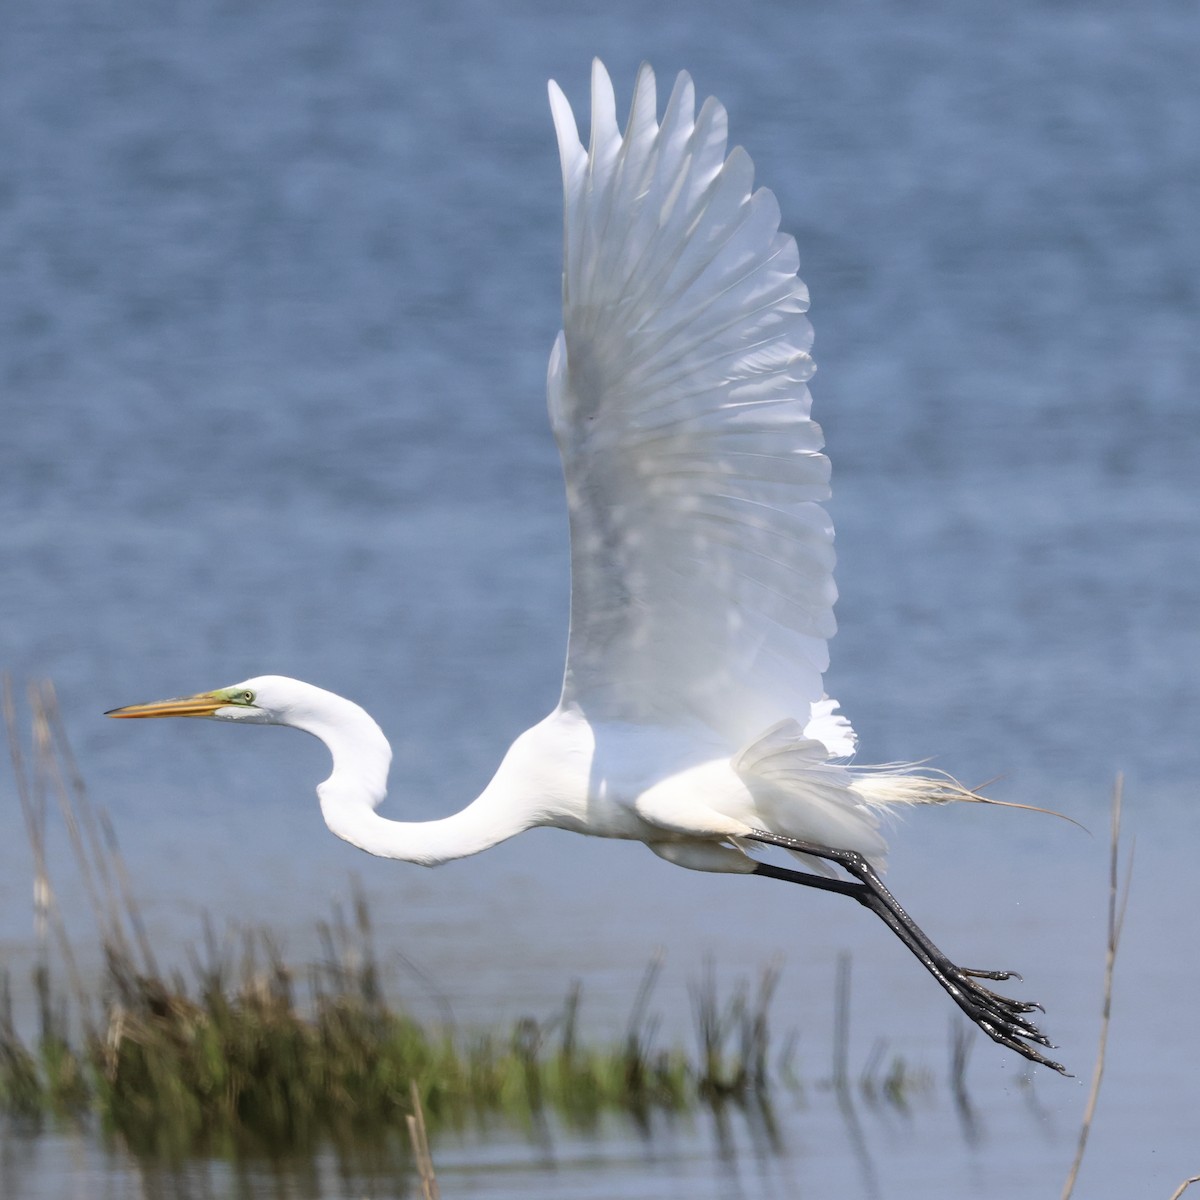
pixel 277 287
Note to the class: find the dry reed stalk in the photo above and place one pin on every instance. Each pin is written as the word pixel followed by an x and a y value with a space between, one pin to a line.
pixel 420 1146
pixel 1183 1187
pixel 31 793
pixel 1116 919
pixel 98 843
pixel 841 1025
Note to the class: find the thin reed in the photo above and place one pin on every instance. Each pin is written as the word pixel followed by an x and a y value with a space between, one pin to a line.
pixel 1118 898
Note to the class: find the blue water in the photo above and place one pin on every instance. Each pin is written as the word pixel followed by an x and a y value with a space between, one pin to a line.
pixel 277 286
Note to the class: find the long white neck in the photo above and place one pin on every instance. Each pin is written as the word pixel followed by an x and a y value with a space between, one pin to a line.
pixel 358 785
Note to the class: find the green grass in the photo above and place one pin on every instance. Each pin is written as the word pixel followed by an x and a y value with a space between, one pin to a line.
pixel 244 1052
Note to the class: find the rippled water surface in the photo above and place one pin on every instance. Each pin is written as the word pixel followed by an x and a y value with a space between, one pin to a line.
pixel 277 285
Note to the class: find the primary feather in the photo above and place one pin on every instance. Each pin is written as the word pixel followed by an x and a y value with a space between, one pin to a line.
pixel 701 558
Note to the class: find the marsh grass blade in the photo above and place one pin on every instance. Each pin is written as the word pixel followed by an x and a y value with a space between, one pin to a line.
pixel 1118 898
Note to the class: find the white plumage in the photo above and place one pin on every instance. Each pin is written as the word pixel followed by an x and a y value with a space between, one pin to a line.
pixel 693 715
pixel 701 559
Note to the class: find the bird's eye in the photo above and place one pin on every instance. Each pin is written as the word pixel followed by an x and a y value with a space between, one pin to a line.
pixel 247 697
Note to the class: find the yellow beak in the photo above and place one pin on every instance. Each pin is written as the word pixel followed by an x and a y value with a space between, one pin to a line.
pixel 203 704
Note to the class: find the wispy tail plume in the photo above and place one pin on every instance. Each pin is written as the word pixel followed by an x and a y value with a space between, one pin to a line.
pixel 904 783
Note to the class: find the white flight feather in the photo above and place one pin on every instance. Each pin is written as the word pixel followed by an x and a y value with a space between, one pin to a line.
pixel 702 562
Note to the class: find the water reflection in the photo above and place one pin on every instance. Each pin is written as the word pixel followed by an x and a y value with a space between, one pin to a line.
pixel 743 1137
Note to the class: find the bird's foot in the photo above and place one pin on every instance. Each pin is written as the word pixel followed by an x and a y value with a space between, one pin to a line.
pixel 1002 1018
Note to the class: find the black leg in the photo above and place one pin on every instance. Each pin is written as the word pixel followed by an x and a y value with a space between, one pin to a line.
pixel 1004 1020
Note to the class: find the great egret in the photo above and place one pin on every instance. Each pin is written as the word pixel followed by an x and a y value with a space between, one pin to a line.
pixel 693 716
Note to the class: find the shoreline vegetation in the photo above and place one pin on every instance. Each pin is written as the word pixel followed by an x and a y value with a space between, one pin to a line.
pixel 245 1056
pixel 245 1053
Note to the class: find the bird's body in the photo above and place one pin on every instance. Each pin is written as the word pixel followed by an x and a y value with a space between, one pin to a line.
pixel 693 716
pixel 677 789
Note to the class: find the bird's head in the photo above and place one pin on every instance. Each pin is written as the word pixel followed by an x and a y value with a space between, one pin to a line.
pixel 260 701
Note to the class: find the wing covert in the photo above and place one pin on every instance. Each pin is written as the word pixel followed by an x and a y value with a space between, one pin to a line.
pixel 701 558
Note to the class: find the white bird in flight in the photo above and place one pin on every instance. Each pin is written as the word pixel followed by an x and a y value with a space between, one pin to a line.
pixel 693 716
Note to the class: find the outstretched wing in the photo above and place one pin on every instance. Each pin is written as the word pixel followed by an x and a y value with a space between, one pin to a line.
pixel 701 558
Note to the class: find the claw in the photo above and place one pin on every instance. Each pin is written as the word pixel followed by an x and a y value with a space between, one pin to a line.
pixel 1026 1051
pixel 1014 1006
pixel 999 976
pixel 1002 1018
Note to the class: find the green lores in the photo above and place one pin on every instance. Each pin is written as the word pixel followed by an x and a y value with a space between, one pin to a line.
pixel 203 704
